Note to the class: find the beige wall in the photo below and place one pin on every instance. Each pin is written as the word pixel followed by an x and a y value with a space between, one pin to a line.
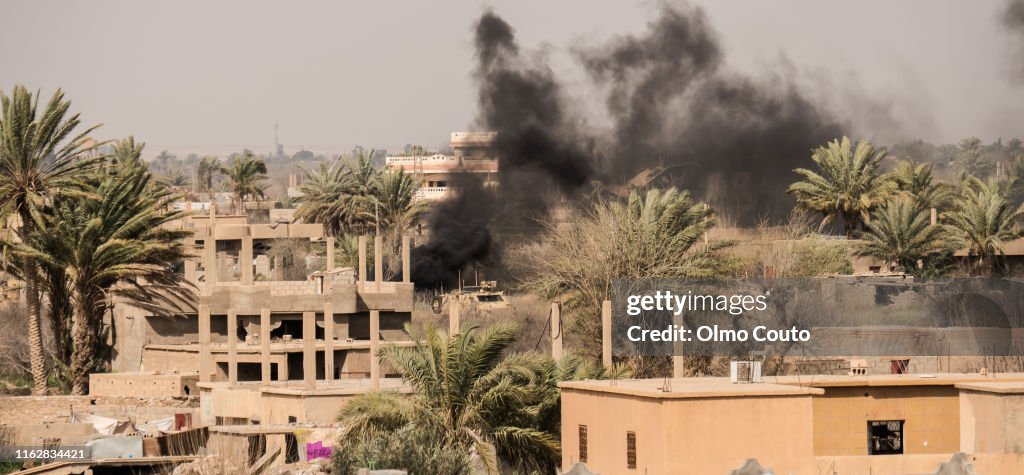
pixel 931 415
pixel 697 436
pixel 992 422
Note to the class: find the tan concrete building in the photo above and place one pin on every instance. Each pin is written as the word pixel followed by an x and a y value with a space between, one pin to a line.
pixel 472 153
pixel 267 349
pixel 838 425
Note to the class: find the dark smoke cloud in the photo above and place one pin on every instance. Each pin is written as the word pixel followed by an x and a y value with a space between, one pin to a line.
pixel 1013 20
pixel 736 138
pixel 542 159
pixel 731 139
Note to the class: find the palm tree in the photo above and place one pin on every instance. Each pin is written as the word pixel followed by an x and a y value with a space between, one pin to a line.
pixel 468 395
pixel 112 247
pixel 917 180
pixel 206 172
pixel 984 219
pixel 39 158
pixel 846 185
pixel 343 196
pixel 659 234
pixel 245 174
pixel 396 209
pixel 329 198
pixel 127 153
pixel 163 161
pixel 973 161
pixel 901 234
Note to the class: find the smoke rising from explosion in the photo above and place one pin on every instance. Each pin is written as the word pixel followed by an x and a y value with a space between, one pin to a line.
pixel 1013 20
pixel 731 139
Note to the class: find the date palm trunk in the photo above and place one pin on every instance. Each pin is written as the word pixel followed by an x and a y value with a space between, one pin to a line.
pixel 37 361
pixel 83 347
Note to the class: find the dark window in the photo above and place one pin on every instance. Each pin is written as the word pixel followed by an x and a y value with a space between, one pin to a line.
pixel 630 449
pixel 583 443
pixel 885 437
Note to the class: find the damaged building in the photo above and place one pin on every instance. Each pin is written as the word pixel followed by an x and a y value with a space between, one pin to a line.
pixel 262 346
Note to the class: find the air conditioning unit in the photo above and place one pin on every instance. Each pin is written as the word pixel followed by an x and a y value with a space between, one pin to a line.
pixel 745 372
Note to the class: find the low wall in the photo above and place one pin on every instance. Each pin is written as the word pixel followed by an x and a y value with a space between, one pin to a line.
pixel 28 410
pixel 146 385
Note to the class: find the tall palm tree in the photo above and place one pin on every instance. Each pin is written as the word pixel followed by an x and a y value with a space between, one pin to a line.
pixel 658 234
pixel 343 196
pixel 901 233
pixel 984 219
pixel 246 174
pixel 468 394
pixel 127 153
pixel 847 184
pixel 329 198
pixel 917 180
pixel 206 172
pixel 396 209
pixel 40 157
pixel 112 247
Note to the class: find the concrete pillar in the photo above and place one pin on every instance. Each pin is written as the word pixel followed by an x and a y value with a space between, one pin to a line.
pixel 309 350
pixel 556 331
pixel 232 346
pixel 378 261
pixel 205 357
pixel 606 333
pixel 678 361
pixel 265 346
pixel 406 260
pixel 328 342
pixel 245 262
pixel 374 349
pixel 330 253
pixel 935 216
pixel 362 263
pixel 210 262
pixel 453 315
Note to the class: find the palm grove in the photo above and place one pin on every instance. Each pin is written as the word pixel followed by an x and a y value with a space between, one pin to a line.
pixel 91 224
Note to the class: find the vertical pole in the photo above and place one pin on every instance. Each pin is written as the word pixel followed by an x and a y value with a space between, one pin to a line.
pixel 245 261
pixel 378 261
pixel 374 348
pixel 362 263
pixel 265 346
pixel 453 315
pixel 328 342
pixel 232 346
pixel 935 216
pixel 406 260
pixel 330 253
pixel 210 261
pixel 205 358
pixel 309 349
pixel 606 333
pixel 556 331
pixel 678 361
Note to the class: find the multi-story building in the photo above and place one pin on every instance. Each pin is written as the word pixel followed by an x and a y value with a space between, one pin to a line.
pixel 269 342
pixel 472 152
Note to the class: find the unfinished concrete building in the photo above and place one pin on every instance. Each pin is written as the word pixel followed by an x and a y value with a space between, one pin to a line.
pixel 271 343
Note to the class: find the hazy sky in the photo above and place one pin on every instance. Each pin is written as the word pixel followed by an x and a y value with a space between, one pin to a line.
pixel 216 76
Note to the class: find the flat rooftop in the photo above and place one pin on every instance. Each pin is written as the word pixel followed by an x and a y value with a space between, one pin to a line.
pixel 682 388
pixel 933 379
pixel 1000 387
pixel 716 387
pixel 338 387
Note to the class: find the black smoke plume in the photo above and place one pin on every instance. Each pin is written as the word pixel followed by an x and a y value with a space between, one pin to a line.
pixel 1013 21
pixel 731 139
pixel 541 160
